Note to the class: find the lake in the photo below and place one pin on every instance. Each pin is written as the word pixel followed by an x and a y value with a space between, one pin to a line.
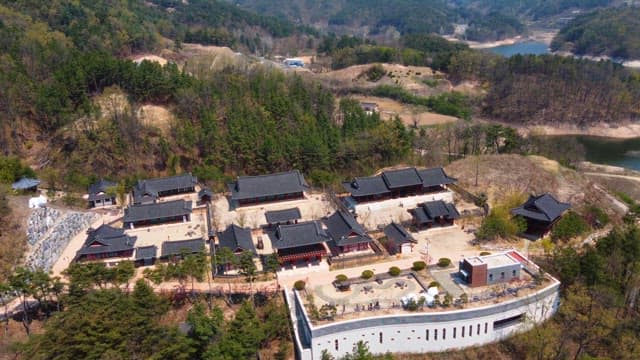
pixel 624 153
pixel 525 47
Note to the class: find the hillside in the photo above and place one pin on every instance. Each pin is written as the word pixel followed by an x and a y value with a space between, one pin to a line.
pixel 607 32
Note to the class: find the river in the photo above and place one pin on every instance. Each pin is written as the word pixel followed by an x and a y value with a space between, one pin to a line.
pixel 525 47
pixel 617 152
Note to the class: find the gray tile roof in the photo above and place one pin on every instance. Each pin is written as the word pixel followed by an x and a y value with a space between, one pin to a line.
pixel 394 179
pixel 401 178
pixel 365 186
pixel 146 252
pixel 25 183
pixel 236 238
pixel 282 216
pixel 97 190
pixel 157 211
pixel 429 211
pixel 170 248
pixel 106 239
pixel 398 234
pixel 435 176
pixel 152 187
pixel 543 208
pixel 296 235
pixel 250 187
pixel 344 229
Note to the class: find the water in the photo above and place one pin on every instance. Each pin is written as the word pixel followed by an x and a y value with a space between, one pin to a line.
pixel 624 153
pixel 524 48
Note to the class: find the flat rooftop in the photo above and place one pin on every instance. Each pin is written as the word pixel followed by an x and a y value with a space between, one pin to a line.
pixel 355 303
pixel 493 261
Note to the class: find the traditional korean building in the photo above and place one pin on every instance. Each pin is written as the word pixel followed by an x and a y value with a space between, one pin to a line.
pixel 106 242
pixel 146 255
pixel 251 190
pixel 398 183
pixel 176 211
pixel 299 242
pixel 282 217
pixel 346 234
pixel 100 194
pixel 541 213
pixel 175 249
pixel 434 213
pixel 399 241
pixel 238 240
pixel 148 191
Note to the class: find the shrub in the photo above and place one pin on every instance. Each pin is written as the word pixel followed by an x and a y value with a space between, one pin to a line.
pixel 444 262
pixel 299 285
pixel 419 265
pixel 434 284
pixel 485 253
pixel 375 73
pixel 341 278
pixel 367 274
pixel 596 217
pixel 394 271
pixel 569 226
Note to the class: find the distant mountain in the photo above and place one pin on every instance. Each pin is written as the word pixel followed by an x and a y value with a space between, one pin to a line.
pixel 607 32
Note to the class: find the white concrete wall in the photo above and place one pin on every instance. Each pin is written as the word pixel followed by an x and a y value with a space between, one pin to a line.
pixel 372 214
pixel 407 332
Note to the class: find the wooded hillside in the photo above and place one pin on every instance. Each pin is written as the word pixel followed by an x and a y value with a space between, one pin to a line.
pixel 608 32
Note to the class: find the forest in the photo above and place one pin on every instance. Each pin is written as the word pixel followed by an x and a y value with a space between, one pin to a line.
pixel 607 32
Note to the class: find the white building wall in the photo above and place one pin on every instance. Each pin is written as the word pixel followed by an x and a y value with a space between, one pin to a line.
pixel 407 333
pixel 385 211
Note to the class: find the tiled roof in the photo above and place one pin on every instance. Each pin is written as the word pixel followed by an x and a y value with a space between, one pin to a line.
pixel 295 235
pixel 398 234
pixel 394 179
pixel 344 229
pixel 106 239
pixel 543 207
pixel 250 187
pixel 157 211
pixel 281 216
pixel 401 178
pixel 429 211
pixel 25 183
pixel 96 189
pixel 170 248
pixel 151 187
pixel 236 238
pixel 146 252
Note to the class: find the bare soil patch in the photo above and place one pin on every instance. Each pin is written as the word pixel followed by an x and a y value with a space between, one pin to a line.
pixel 409 114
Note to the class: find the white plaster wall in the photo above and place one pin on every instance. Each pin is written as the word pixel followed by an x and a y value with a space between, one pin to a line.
pixel 411 337
pixel 384 212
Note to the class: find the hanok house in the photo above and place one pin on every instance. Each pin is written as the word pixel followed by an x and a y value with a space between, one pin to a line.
pixel 177 211
pixel 149 191
pixel 398 183
pixel 101 194
pixel 369 107
pixel 434 213
pixel 302 242
pixel 249 190
pixel 175 249
pixel 398 239
pixel 146 255
pixel 489 269
pixel 346 234
pixel 541 213
pixel 238 240
pixel 282 217
pixel 106 242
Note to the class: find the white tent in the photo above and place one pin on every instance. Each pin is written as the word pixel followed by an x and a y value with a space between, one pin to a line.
pixel 37 202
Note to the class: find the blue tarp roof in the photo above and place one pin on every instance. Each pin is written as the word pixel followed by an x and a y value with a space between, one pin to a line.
pixel 25 183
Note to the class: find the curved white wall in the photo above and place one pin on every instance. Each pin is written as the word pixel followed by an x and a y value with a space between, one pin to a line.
pixel 407 333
